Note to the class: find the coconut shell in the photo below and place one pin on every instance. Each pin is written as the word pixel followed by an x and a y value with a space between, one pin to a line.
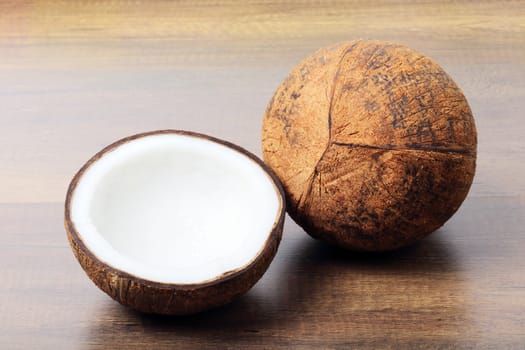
pixel 168 298
pixel 374 143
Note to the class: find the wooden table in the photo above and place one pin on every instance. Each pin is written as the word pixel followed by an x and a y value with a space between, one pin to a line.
pixel 77 75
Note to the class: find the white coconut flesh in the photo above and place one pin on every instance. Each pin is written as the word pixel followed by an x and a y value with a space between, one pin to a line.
pixel 172 208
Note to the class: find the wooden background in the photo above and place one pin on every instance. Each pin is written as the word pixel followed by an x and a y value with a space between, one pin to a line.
pixel 77 75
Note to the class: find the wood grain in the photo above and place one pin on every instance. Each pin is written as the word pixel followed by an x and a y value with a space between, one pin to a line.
pixel 77 75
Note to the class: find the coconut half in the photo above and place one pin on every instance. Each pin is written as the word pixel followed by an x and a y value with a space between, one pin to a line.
pixel 174 222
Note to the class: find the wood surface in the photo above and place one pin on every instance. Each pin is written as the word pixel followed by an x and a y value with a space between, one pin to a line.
pixel 77 75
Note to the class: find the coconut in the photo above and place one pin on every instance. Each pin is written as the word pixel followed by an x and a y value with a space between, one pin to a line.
pixel 374 143
pixel 174 222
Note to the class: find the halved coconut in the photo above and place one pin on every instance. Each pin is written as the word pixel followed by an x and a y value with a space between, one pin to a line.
pixel 174 222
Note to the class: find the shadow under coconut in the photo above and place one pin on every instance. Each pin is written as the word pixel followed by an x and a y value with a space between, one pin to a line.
pixel 316 291
pixel 365 298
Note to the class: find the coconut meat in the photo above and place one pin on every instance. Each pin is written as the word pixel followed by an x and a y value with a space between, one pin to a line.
pixel 173 208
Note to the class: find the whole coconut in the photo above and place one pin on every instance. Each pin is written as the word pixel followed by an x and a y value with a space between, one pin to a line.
pixel 374 143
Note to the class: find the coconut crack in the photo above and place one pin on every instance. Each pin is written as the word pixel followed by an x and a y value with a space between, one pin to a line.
pixel 313 176
pixel 411 147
